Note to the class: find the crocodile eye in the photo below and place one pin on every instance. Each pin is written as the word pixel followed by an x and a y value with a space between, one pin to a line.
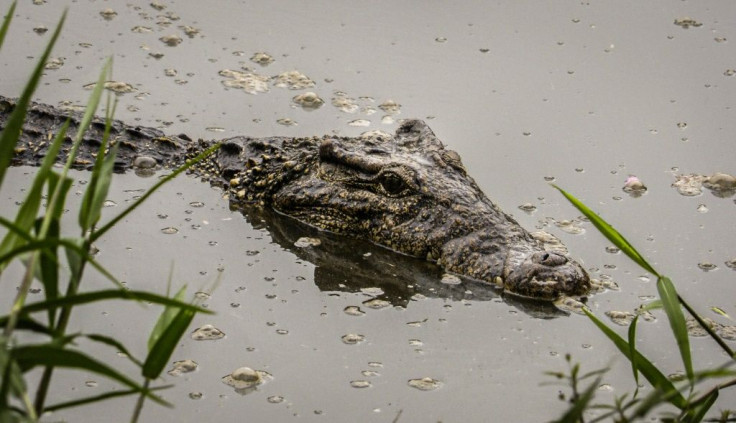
pixel 392 183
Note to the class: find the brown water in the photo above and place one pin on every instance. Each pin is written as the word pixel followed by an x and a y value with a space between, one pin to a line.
pixel 585 93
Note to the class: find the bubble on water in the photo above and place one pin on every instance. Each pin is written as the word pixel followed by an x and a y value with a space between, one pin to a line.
pixel 450 279
pixel 195 395
pixel 170 230
pixel 549 178
pixel 687 22
pixel 484 50
pixel 682 125
pixel 390 106
pixel 183 366
pixel 345 103
pixel 612 250
pixel 293 80
pixel 353 311
pixel 214 129
pixel 569 305
pixel 728 332
pixel 352 338
pixel 425 384
pixel 275 399
pixel 263 59
pixel 702 208
pixel 707 266
pixel 720 39
pixel 282 331
pixel 570 226
pixel 387 120
pixel 196 204
pixel 171 40
pixel 170 72
pixel 441 39
pixel 156 55
pixel 359 122
pixel 249 82
pixel 158 5
pixel 415 343
pixel 729 72
pixel 141 29
pixel 360 384
pixel 721 184
pixel 40 30
pixel 376 304
pixel 91 383
pixel 109 203
pixel 108 14
pixel 375 364
pixel 373 290
pixel 207 333
pixel 369 373
pixel 305 242
pixel 308 101
pixel 417 323
pixel 731 264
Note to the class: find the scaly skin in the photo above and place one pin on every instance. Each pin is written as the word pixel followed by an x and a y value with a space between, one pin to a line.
pixel 407 193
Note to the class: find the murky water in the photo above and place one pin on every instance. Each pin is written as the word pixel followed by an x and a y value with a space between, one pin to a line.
pixel 585 95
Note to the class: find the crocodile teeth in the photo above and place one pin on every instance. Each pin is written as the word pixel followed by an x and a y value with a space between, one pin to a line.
pixel 498 281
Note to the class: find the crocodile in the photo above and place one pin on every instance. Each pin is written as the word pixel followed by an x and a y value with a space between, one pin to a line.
pixel 405 192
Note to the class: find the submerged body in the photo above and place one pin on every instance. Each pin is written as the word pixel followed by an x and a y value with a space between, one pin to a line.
pixel 406 192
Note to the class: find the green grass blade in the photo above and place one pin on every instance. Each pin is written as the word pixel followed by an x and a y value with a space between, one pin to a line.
pixel 26 323
pixel 697 414
pixel 708 329
pixel 671 303
pixel 650 372
pixel 118 294
pixel 49 267
pixel 632 353
pixel 32 356
pixel 161 352
pixel 167 316
pixel 6 23
pixel 609 232
pixel 101 231
pixel 575 413
pixel 9 135
pixel 102 397
pixel 99 183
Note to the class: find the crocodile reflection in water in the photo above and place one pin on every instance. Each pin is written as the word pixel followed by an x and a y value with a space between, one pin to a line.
pixel 406 192
pixel 344 264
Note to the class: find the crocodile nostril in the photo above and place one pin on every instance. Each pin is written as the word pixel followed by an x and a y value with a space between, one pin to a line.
pixel 549 259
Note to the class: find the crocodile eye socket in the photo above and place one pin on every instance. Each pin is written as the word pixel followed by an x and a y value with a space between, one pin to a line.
pixel 392 184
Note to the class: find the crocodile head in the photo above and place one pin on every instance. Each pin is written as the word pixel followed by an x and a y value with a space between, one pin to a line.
pixel 410 194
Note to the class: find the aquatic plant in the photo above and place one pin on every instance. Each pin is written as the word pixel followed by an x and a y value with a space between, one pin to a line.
pixel 692 406
pixel 34 239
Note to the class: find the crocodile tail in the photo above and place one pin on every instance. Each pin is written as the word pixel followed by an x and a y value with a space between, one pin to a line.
pixel 138 146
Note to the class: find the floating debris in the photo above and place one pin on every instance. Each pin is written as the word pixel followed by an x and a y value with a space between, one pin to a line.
pixel 141 29
pixel 721 184
pixel 390 106
pixel 286 122
pixel 441 39
pixel 170 230
pixel 376 303
pixel 634 187
pixel 275 399
pixel 308 101
pixel 249 82
pixel 263 59
pixel 528 208
pixel 621 318
pixel 450 279
pixel 569 305
pixel 373 290
pixel 158 6
pixel 156 55
pixel 729 72
pixel 40 30
pixel 171 40
pixel 731 264
pixel 425 384
pixel 305 242
pixel 207 333
pixel 183 366
pixel 728 332
pixel 694 328
pixel 293 80
pixel 689 185
pixel 687 22
pixel 352 339
pixel 117 87
pixel 345 104
pixel 108 14
pixel 360 384
pixel 707 266
pixel 246 378
pixel 570 226
pixel 353 311
pixel 54 63
pixel 359 122
pixel 189 31
pixel 702 208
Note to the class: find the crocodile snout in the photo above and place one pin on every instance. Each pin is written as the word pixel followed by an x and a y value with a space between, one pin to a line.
pixel 546 275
